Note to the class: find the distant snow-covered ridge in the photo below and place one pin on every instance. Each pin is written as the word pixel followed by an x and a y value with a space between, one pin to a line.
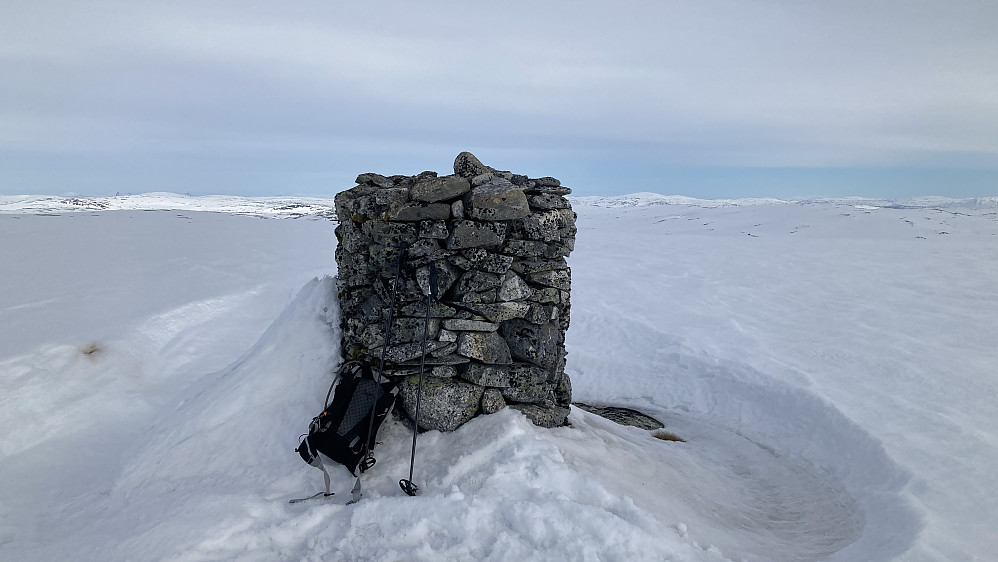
pixel 271 207
pixel 648 199
pixel 296 207
pixel 645 199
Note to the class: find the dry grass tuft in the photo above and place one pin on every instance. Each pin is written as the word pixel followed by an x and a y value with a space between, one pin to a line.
pixel 667 436
pixel 90 348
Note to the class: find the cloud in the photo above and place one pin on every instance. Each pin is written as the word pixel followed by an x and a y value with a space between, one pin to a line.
pixel 723 83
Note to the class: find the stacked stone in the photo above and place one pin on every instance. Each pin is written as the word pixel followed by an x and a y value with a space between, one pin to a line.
pixel 497 242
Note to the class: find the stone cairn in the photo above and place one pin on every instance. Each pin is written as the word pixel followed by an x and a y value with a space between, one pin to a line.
pixel 498 242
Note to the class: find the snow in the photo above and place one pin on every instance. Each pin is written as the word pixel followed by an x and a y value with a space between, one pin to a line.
pixel 829 362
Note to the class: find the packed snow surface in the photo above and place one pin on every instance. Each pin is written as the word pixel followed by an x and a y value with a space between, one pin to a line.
pixel 830 363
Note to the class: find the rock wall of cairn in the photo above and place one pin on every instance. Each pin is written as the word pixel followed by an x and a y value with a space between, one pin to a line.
pixel 497 242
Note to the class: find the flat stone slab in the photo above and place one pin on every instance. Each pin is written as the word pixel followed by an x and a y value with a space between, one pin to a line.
pixel 497 200
pixel 486 375
pixel 623 416
pixel 499 312
pixel 471 234
pixel 432 190
pixel 544 416
pixel 487 347
pixel 415 211
pixel 459 325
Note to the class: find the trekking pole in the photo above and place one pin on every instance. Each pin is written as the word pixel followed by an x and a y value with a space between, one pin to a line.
pixel 407 485
pixel 368 461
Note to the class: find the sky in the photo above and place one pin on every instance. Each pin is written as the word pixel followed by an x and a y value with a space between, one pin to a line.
pixel 707 98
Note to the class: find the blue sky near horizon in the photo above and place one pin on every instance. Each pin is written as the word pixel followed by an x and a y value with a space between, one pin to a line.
pixel 714 99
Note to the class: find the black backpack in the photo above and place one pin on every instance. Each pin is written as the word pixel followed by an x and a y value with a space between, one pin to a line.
pixel 345 431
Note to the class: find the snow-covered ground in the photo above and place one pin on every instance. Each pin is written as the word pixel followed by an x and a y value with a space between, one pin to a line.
pixel 831 363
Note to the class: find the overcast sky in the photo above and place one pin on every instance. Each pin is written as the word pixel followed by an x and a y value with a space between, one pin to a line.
pixel 705 98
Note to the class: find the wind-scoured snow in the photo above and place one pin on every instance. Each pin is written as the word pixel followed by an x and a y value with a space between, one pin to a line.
pixel 829 363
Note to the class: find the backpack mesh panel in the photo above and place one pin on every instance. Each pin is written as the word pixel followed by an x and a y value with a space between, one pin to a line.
pixel 365 394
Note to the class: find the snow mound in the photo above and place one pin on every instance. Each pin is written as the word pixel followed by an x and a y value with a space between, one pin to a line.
pixel 218 467
pixel 217 464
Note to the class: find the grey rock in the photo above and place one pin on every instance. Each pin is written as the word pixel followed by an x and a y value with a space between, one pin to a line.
pixel 447 274
pixel 547 295
pixel 492 401
pixel 452 359
pixel 401 181
pixel 541 314
pixel 435 229
pixel 482 179
pixel 391 198
pixel 444 351
pixel 498 200
pixel 548 201
pixel 525 374
pixel 370 310
pixel 437 310
pixel 559 278
pixel 468 165
pixel 411 329
pixel 416 211
pixel 376 180
pixel 518 179
pixel 561 249
pixel 532 343
pixel 444 371
pixel 432 190
pixel 528 267
pixel 352 238
pixel 500 312
pixel 447 336
pixel 546 181
pixel 513 288
pixel 477 281
pixel 566 219
pixel 390 234
pixel 366 202
pixel 458 325
pixel 487 347
pixel 544 416
pixel 539 226
pixel 563 391
pixel 483 260
pixel 426 251
pixel 529 394
pixel 406 352
pixel 532 189
pixel 480 297
pixel 373 336
pixel 445 404
pixel 485 375
pixel 524 248
pixel 457 209
pixel 471 234
pixel 623 416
